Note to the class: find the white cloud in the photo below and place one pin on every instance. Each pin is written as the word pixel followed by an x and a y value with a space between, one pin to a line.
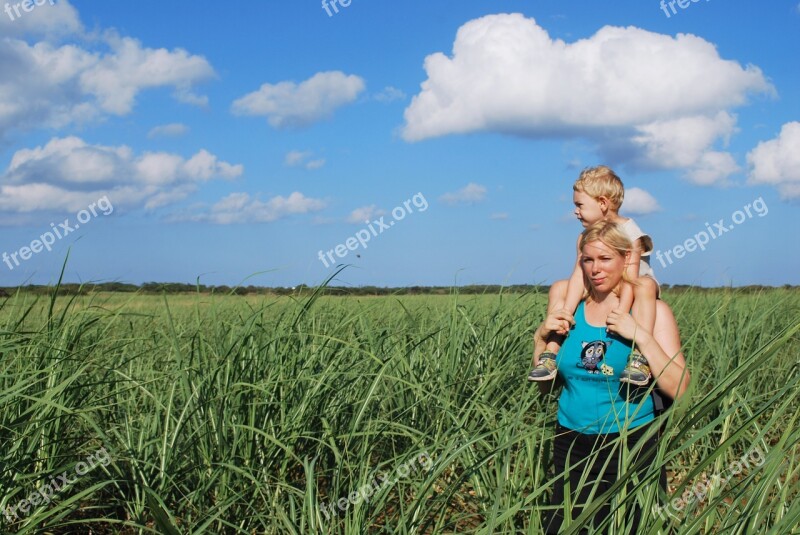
pixel 712 167
pixel 297 158
pixel 654 100
pixel 168 130
pixel 44 85
pixel 390 94
pixel 470 193
pixel 116 79
pixel 638 201
pixel 364 214
pixel 499 216
pixel 65 172
pixel 241 208
pixel 287 104
pixel 777 162
pixel 205 166
pixel 686 143
pixel 187 96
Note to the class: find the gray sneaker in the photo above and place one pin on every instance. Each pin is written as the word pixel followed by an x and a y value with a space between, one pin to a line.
pixel 637 372
pixel 546 370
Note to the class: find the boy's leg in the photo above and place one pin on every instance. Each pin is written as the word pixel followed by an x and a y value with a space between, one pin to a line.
pixel 555 301
pixel 645 292
pixel 546 369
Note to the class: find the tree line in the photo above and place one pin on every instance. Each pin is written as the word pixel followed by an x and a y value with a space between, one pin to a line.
pixel 157 288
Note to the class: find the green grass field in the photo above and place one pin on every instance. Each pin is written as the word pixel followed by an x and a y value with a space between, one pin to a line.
pixel 226 414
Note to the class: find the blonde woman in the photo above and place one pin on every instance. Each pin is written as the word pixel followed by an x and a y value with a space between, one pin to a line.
pixel 594 408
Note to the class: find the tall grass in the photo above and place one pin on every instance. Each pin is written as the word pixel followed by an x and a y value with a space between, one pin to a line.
pixel 226 414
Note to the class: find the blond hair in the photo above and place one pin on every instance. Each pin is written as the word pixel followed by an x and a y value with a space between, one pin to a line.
pixel 601 181
pixel 612 235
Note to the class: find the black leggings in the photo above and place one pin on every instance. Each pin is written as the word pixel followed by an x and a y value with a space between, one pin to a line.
pixel 584 449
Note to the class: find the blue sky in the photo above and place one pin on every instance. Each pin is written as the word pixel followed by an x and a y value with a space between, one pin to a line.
pixel 268 139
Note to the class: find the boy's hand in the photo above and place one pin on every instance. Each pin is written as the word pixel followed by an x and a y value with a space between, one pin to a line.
pixel 621 323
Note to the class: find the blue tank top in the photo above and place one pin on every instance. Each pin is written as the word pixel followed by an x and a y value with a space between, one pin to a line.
pixel 593 400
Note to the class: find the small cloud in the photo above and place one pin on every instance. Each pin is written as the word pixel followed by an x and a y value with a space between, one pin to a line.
pixel 638 201
pixel 777 162
pixel 320 220
pixel 568 217
pixel 471 193
pixel 291 105
pixel 241 208
pixel 364 214
pixel 297 158
pixel 390 94
pixel 499 216
pixel 168 130
pixel 187 96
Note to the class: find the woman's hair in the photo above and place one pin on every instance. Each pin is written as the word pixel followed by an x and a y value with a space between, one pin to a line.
pixel 612 235
pixel 601 181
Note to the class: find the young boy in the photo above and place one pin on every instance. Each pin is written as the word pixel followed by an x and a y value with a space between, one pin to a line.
pixel 598 194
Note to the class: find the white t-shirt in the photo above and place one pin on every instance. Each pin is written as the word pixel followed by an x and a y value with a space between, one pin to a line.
pixel 635 233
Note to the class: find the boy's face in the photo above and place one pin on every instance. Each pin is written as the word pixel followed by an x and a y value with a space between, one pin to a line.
pixel 587 209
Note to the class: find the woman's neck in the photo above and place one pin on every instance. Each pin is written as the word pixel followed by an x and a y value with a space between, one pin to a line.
pixel 605 300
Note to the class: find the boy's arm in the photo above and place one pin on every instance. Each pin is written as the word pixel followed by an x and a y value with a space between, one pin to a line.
pixel 631 274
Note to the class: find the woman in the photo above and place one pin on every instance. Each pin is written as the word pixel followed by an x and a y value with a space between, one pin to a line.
pixel 594 408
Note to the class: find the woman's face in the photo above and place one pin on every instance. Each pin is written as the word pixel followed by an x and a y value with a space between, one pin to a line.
pixel 602 265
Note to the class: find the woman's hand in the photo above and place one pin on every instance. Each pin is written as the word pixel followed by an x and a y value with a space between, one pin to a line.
pixel 556 322
pixel 621 323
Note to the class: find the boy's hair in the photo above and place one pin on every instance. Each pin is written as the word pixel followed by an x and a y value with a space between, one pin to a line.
pixel 601 181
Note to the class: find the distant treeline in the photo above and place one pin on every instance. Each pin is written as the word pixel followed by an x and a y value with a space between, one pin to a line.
pixel 155 288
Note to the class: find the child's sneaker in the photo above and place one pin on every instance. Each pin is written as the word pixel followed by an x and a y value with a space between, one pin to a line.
pixel 637 372
pixel 546 369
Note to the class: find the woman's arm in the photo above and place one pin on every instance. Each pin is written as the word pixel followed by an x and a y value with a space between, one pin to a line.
pixel 670 371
